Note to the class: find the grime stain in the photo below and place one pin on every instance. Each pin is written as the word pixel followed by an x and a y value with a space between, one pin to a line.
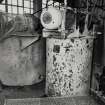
pixel 56 49
pixel 72 40
pixel 54 59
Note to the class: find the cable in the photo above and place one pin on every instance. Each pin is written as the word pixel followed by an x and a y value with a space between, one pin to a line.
pixel 41 9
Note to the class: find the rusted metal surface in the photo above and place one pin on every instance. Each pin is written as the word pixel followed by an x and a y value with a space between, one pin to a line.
pixel 26 67
pixel 68 66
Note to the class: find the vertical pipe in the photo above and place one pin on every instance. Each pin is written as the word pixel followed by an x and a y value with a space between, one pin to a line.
pixel 47 4
pixel 30 6
pixel 104 45
pixel 53 3
pixel 17 7
pixel 64 18
pixel 6 2
pixel 23 6
pixel 92 67
pixel 6 8
pixel 11 8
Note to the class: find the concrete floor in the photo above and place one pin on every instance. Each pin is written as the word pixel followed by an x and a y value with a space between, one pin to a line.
pixel 38 91
pixel 34 91
pixel 83 100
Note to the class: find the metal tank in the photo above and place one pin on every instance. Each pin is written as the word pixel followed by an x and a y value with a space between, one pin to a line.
pixel 68 66
pixel 22 51
pixel 21 67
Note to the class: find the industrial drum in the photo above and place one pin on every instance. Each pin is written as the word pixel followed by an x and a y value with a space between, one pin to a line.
pixel 19 66
pixel 68 66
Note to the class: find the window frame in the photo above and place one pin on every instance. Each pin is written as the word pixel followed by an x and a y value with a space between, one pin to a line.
pixel 7 5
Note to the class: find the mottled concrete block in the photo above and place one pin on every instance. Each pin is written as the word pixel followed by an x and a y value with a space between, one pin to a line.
pixel 68 66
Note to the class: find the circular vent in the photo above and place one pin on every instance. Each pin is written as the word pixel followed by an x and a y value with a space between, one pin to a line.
pixel 47 18
pixel 51 18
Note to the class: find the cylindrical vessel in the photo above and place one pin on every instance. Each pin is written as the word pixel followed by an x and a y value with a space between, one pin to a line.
pixel 21 67
pixel 68 66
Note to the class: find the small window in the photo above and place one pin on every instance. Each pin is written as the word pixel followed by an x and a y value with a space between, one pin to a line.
pixel 10 1
pixel 10 9
pixel 26 3
pixel 14 9
pixel 17 6
pixel 20 10
pixel 14 2
pixel 2 7
pixel 20 2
